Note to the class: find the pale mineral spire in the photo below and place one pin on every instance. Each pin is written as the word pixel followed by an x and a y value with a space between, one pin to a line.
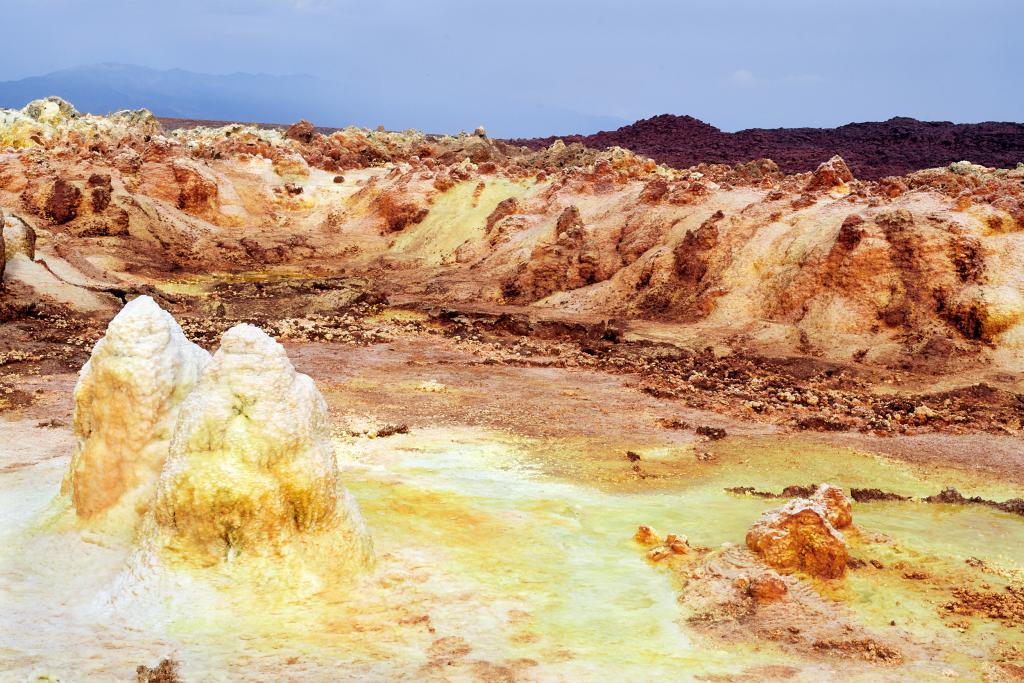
pixel 252 472
pixel 126 405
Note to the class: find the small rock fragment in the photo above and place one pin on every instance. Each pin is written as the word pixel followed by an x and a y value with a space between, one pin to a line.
pixel 768 587
pixel 647 536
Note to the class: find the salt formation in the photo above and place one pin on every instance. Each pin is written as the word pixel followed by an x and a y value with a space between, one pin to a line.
pixel 803 534
pixel 19 238
pixel 251 479
pixel 126 405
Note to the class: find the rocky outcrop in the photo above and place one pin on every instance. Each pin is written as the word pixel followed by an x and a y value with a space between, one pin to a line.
pixel 798 537
pixel 566 260
pixel 126 405
pixel 251 473
pixel 828 175
pixel 100 191
pixel 62 202
pixel 654 191
pixel 692 252
pixel 51 110
pixel 504 209
pixel 682 280
pixel 127 161
pixel 301 131
pixel 802 535
pixel 838 508
pixel 141 121
pixel 197 190
pixel 398 214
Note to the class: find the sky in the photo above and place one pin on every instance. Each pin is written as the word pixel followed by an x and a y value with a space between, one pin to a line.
pixel 529 64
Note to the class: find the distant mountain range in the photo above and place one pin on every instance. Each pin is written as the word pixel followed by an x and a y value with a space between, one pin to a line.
pixel 872 150
pixel 176 93
pixel 107 87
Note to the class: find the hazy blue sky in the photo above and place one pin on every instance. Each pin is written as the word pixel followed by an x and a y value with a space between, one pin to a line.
pixel 736 64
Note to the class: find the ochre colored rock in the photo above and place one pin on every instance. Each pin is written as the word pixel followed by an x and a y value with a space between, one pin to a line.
pixel 302 131
pixel 504 209
pixel 569 224
pixel 799 537
pixel 654 191
pixel 829 174
pixel 100 191
pixel 566 260
pixel 660 548
pixel 837 506
pixel 197 191
pixel 673 545
pixel 62 202
pixel 892 187
pixel 768 587
pixel 647 536
pixel 691 253
pixel 399 214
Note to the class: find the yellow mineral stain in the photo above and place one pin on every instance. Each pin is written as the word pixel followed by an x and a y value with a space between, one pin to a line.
pixel 456 216
pixel 518 549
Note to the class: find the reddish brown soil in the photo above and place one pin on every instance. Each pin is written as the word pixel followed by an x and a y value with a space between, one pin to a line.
pixel 1006 606
pixel 692 394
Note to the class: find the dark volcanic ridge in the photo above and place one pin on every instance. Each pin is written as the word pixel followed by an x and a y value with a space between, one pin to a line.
pixel 872 150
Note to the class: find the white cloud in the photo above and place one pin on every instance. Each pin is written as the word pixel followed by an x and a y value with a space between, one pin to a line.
pixel 746 78
pixel 311 5
pixel 743 77
pixel 803 78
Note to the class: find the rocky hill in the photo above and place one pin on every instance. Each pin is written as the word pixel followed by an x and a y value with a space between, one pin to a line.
pixel 872 150
pixel 921 270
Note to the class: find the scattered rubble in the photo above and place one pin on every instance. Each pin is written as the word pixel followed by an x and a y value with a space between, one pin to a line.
pixel 659 548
